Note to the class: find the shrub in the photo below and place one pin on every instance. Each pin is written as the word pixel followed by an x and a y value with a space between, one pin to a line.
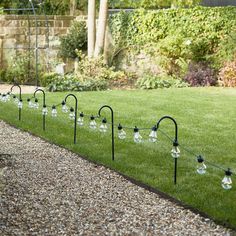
pixel 76 39
pixel 161 81
pixel 19 71
pixel 200 74
pixel 228 74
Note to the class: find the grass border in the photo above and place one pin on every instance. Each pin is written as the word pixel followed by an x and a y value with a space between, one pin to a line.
pixel 134 181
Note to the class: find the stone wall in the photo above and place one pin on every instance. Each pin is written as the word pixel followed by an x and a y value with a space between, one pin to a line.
pixel 18 34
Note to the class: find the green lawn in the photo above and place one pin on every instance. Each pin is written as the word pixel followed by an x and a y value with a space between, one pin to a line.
pixel 207 125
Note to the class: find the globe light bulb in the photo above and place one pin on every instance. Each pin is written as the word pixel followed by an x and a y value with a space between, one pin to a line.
pixel 36 104
pixel 15 99
pixel 137 136
pixel 4 98
pixel 64 107
pixel 20 104
pixel 201 167
pixel 44 110
pixel 153 135
pixel 226 181
pixel 92 123
pixel 54 111
pixel 30 104
pixel 80 120
pixel 8 97
pixel 103 127
pixel 175 152
pixel 72 113
pixel 121 132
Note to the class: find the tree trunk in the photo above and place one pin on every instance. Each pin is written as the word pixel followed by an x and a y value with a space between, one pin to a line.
pixel 102 22
pixel 91 27
pixel 72 7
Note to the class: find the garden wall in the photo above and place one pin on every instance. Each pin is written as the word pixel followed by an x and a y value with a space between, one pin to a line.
pixel 16 32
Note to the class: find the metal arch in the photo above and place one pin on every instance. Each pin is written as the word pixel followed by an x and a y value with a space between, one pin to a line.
pixel 36 43
pixel 29 7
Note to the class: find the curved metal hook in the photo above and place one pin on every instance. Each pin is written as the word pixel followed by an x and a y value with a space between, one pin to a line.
pixel 112 128
pixel 17 85
pixel 40 90
pixel 76 108
pixel 175 142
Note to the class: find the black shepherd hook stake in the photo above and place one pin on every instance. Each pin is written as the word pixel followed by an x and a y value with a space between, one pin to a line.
pixel 20 98
pixel 112 129
pixel 76 107
pixel 44 105
pixel 175 142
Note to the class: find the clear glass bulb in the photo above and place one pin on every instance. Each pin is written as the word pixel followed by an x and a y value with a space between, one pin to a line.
pixel 30 104
pixel 16 100
pixel 8 97
pixel 121 134
pixel 54 112
pixel 20 104
pixel 226 181
pixel 4 98
pixel 80 121
pixel 72 115
pixel 137 136
pixel 175 152
pixel 64 108
pixel 201 168
pixel 36 105
pixel 103 128
pixel 153 135
pixel 44 111
pixel 92 124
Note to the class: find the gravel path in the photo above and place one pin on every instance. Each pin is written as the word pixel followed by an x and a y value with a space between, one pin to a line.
pixel 51 191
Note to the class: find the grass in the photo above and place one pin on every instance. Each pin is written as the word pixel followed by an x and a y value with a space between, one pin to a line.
pixel 207 125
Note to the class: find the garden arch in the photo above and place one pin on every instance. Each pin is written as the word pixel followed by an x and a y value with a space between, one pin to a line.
pixel 30 10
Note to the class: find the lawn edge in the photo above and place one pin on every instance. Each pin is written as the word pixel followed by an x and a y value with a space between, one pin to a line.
pixel 134 181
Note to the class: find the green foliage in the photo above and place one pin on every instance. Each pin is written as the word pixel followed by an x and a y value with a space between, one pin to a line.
pixel 177 36
pixel 76 39
pixel 160 81
pixel 90 75
pixel 20 69
pixel 152 4
pixel 228 74
pixel 226 50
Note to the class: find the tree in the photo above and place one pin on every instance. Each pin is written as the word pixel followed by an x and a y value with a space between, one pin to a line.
pixel 91 27
pixel 102 23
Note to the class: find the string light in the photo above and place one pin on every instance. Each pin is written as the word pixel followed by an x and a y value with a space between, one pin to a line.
pixel 137 136
pixel 226 181
pixel 175 152
pixel 20 104
pixel 64 107
pixel 92 123
pixel 72 113
pixel 201 167
pixel 153 134
pixel 15 99
pixel 44 110
pixel 4 98
pixel 54 111
pixel 121 132
pixel 36 104
pixel 30 104
pixel 8 97
pixel 80 120
pixel 103 127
